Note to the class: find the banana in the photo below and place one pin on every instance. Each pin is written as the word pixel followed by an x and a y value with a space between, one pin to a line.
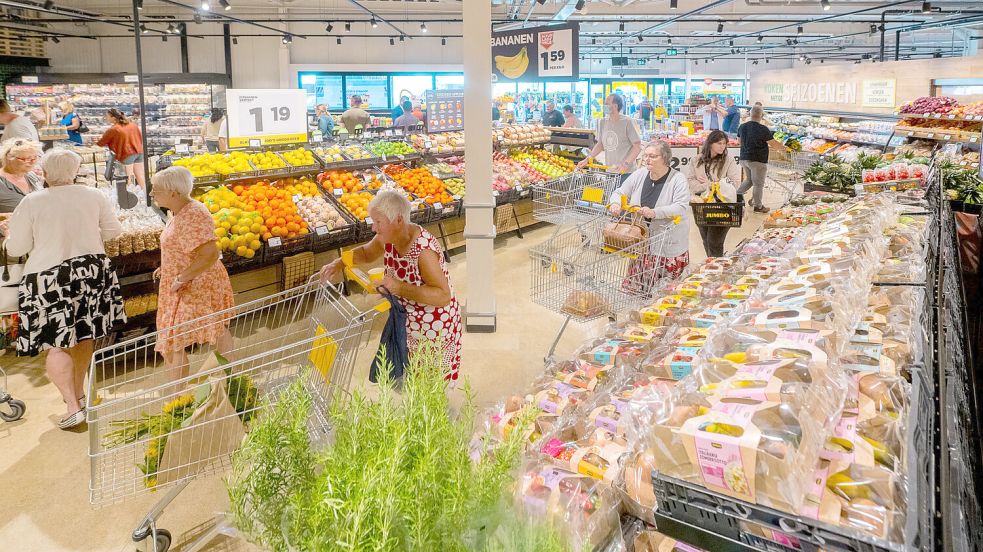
pixel 513 66
pixel 837 444
pixel 844 485
pixel 724 429
pixel 882 455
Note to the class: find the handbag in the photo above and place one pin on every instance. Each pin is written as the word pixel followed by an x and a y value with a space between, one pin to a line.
pixel 392 344
pixel 83 128
pixel 625 232
pixel 10 279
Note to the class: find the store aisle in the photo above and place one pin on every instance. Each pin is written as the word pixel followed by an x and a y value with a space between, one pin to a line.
pixel 44 472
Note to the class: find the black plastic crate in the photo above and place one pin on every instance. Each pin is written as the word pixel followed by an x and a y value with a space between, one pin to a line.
pixel 323 239
pixel 810 187
pixel 287 247
pixel 718 214
pixel 444 211
pixel 235 264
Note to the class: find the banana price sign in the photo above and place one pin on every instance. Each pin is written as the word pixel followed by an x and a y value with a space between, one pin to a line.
pixel 271 116
pixel 548 53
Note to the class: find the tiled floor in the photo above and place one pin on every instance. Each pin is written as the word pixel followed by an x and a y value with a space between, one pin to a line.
pixel 44 472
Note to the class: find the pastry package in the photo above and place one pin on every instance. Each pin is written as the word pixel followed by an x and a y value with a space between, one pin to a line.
pixel 495 425
pixel 594 451
pixel 585 304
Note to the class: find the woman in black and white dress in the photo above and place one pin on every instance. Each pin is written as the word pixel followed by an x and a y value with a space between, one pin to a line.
pixel 69 295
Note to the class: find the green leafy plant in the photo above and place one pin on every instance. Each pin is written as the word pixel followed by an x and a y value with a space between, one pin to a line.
pixel 398 475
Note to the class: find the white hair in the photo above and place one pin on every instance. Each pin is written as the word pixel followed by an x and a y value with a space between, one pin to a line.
pixel 174 179
pixel 18 146
pixel 665 152
pixel 391 204
pixel 757 113
pixel 60 166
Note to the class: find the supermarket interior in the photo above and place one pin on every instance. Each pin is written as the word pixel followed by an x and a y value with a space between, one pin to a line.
pixel 504 275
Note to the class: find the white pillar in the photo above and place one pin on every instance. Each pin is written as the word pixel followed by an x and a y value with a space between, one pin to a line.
pixel 480 309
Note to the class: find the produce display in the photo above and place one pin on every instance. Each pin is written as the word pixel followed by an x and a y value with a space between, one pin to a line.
pixel 355 152
pixel 330 154
pixel 694 140
pixel 302 186
pixel 273 208
pixel 421 183
pixel 223 164
pixel 960 183
pixel 340 180
pixel 838 174
pixel 455 186
pixel 546 163
pixel 300 157
pixel 141 232
pixel 941 113
pixel 444 142
pixel 266 160
pixel 237 228
pixel 389 148
pixel 522 135
pixel 357 203
pixel 316 211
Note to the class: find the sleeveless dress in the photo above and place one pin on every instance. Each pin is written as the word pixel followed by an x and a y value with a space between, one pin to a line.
pixel 424 321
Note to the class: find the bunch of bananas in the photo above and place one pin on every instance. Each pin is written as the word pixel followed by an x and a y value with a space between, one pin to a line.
pixel 513 67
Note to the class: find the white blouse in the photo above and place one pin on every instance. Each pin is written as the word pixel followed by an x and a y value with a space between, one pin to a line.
pixel 56 224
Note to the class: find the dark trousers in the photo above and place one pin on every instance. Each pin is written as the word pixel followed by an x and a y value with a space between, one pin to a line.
pixel 713 239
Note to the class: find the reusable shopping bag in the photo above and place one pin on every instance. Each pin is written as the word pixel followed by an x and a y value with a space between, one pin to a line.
pixel 393 342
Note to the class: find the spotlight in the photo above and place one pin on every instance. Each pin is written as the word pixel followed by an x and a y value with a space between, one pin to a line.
pixel 639 38
pixel 48 4
pixel 760 39
pixel 621 26
pixel 139 4
pixel 182 28
pixel 197 18
pixel 767 60
pixel 631 51
pixel 731 44
pixel 696 62
pixel 373 23
pixel 580 5
pixel 873 29
pixel 402 38
pixel 163 38
pixel 443 41
pixel 392 41
pixel 798 31
pixel 669 41
pixel 225 4
pixel 673 4
pixel 795 41
pixel 755 62
pixel 144 29
pixel 235 40
pixel 339 41
pixel 720 27
pixel 205 6
pixel 541 2
pixel 287 39
pixel 329 28
pixel 171 28
pixel 57 40
pixel 348 27
pixel 802 57
pixel 926 7
pixel 423 27
pixel 825 4
pixel 593 40
pixel 808 61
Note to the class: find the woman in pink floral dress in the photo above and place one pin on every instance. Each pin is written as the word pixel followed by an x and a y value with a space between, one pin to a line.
pixel 415 273
pixel 193 282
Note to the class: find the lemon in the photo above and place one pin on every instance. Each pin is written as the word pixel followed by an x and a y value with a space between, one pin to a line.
pixel 249 254
pixel 254 245
pixel 242 251
pixel 220 232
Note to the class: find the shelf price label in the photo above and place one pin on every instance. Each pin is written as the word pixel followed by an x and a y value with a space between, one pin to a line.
pixel 296 198
pixel 368 220
pixel 438 206
pixel 271 116
pixel 947 137
pixel 931 135
pixel 321 230
pixel 274 242
pixel 338 192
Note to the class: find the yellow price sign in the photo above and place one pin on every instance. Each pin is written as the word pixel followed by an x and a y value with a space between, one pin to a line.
pixel 592 195
pixel 323 352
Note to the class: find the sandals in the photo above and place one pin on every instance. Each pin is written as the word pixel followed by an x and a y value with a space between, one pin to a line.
pixel 72 420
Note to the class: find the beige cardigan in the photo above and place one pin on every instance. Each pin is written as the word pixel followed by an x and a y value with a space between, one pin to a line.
pixel 699 182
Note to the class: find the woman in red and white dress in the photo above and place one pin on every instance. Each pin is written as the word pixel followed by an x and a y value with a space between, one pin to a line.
pixel 415 273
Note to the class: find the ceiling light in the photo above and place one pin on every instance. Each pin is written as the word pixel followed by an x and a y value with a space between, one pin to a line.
pixel 182 28
pixel 56 40
pixel 755 62
pixel 139 4
pixel 825 4
pixel 348 27
pixel 144 29
pixel 802 58
pixel 197 18
pixel 373 23
pixel 673 4
pixel 873 29
pixel 423 27
pixel 163 38
pixel 798 31
pixel 339 41
pixel 731 42
pixel 593 40
pixel 329 28
pixel 392 41
pixel 402 38
pixel 760 39
pixel 926 7
pixel 287 39
pixel 621 26
pixel 580 5
pixel 225 4
pixel 48 4
pixel 171 28
pixel 631 50
pixel 639 38
pixel 205 6
pixel 795 41
pixel 443 41
pixel 541 2
pixel 720 27
pixel 235 40
pixel 808 61
pixel 669 40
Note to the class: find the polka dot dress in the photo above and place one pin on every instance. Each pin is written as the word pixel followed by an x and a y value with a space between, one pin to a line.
pixel 424 321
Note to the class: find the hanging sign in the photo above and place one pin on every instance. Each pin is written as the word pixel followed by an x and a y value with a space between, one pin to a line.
pixel 270 116
pixel 548 53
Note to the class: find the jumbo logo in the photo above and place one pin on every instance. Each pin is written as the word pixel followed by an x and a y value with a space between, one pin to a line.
pixel 546 40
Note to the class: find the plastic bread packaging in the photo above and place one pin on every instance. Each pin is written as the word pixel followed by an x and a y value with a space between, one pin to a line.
pixel 635 332
pixel 608 351
pixel 594 451
pixel 583 508
pixel 583 375
pixel 672 363
pixel 495 424
pixel 653 541
pixel 585 304
pixel 614 410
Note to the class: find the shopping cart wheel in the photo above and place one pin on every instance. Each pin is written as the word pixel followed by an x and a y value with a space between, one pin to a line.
pixel 163 541
pixel 16 408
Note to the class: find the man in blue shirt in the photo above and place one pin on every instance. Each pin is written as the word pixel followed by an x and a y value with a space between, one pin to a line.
pixel 733 118
pixel 398 110
pixel 713 114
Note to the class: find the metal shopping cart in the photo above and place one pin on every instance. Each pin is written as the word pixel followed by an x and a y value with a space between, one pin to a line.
pixel 141 435
pixel 573 199
pixel 785 169
pixel 586 272
pixel 11 409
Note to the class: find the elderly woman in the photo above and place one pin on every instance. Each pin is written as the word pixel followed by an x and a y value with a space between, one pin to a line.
pixel 662 196
pixel 714 165
pixel 17 159
pixel 415 273
pixel 69 295
pixel 193 281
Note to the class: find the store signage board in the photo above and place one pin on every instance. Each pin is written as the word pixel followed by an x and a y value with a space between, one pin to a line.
pixel 131 78
pixel 445 110
pixel 271 116
pixel 29 79
pixel 549 53
pixel 878 92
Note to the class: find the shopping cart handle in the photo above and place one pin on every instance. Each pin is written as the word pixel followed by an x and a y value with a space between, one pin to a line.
pixel 359 276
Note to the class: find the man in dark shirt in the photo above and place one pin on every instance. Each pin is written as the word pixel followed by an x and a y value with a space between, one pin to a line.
pixel 754 157
pixel 552 117
pixel 733 119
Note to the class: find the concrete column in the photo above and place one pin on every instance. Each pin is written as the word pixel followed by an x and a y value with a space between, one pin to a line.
pixel 479 232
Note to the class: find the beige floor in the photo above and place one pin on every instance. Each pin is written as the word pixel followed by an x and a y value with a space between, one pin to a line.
pixel 44 472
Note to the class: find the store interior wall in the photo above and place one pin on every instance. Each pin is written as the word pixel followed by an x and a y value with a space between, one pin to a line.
pixel 258 62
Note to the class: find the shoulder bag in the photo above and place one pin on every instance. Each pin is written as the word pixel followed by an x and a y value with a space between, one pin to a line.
pixel 83 128
pixel 11 274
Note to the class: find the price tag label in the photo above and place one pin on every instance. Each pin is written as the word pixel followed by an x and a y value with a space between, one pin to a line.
pixel 931 135
pixel 964 162
pixel 368 220
pixel 131 78
pixel 978 118
pixel 320 230
pixel 947 137
pixel 296 198
pixel 385 158
pixel 274 242
pixel 926 115
pixel 937 115
pixel 389 132
pixel 951 116
pixel 181 148
pixel 495 193
pixel 338 192
pixel 973 138
pixel 255 143
pixel 438 206
pixel 500 135
pixel 271 116
pixel 910 133
pixel 428 144
pixel 456 197
pixel 27 79
pixel 518 188
pixel 366 178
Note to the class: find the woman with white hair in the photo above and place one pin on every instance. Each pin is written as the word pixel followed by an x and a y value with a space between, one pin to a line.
pixel 415 273
pixel 18 156
pixel 662 195
pixel 193 281
pixel 69 295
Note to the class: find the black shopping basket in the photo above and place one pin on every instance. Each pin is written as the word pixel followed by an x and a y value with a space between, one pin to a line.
pixel 718 214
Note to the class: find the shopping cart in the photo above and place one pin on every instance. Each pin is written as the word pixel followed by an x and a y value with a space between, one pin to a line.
pixel 11 409
pixel 573 199
pixel 785 170
pixel 141 436
pixel 584 274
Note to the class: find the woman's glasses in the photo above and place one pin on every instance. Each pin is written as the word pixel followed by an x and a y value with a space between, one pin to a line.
pixel 27 159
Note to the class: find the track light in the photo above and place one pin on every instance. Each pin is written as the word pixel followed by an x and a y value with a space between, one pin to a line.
pixel 808 62
pixel 639 38
pixel 541 2
pixel 48 4
pixel 798 30
pixel 873 29
pixel 767 60
pixel 182 28
pixel 795 41
pixel 329 28
pixel 580 5
pixel 760 39
pixel 197 18
pixel 55 39
pixel 235 40
pixel 443 41
pixel 163 38
pixel 593 40
pixel 374 23
pixel 402 38
pixel 171 28
pixel 621 26
pixel 696 62
pixel 731 43
pixel 926 7
pixel 802 58
pixel 423 27
pixel 348 27
pixel 139 4
pixel 287 39
pixel 339 41
pixel 392 41
pixel 755 62
pixel 720 27
pixel 669 41
pixel 144 29
pixel 225 4
pixel 205 6
pixel 825 4
pixel 673 4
